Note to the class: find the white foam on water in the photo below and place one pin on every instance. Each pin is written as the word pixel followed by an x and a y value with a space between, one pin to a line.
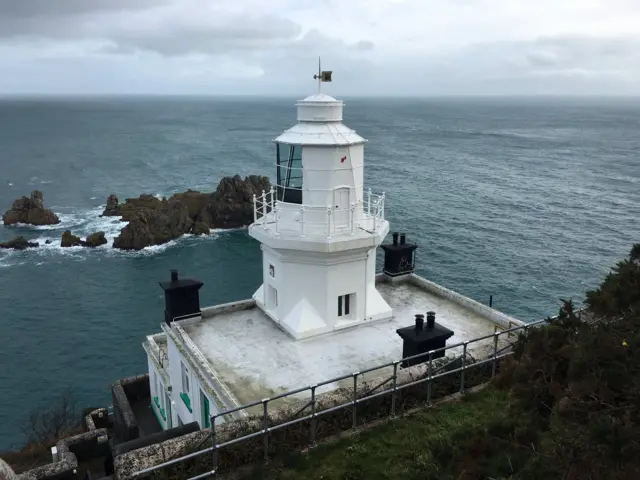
pixel 83 223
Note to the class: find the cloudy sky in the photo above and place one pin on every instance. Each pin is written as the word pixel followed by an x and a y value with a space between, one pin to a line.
pixel 374 47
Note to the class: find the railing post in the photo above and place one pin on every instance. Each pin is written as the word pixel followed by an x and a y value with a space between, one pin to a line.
pixel 382 208
pixel 353 218
pixel 394 389
pixel 464 367
pixel 265 431
pixel 355 400
pixel 313 416
pixel 302 221
pixel 264 204
pixel 494 364
pixel 328 222
pixel 430 371
pixel 255 209
pixel 214 445
pixel 369 202
pixel 272 200
pixel 276 215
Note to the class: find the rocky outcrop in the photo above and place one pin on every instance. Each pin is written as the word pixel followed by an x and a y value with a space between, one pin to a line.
pixel 154 221
pixel 30 210
pixel 95 240
pixel 92 241
pixel 70 240
pixel 19 243
pixel 200 228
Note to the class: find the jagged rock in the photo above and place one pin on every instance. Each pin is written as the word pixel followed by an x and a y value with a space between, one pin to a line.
pixel 200 228
pixel 70 240
pixel 155 227
pixel 131 206
pixel 30 210
pixel 6 472
pixel 111 210
pixel 95 240
pixel 19 243
pixel 153 221
pixel 231 205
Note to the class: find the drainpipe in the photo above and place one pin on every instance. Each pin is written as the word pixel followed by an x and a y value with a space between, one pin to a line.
pixel 366 283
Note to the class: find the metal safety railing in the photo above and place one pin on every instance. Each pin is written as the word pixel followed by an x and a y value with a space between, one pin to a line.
pixel 317 220
pixel 355 400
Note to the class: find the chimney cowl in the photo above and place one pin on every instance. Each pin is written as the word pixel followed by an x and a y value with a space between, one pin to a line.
pixel 174 275
pixel 419 322
pixel 431 319
pixel 395 238
pixel 403 239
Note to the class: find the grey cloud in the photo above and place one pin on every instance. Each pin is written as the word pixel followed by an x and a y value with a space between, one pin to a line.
pixel 21 9
pixel 363 45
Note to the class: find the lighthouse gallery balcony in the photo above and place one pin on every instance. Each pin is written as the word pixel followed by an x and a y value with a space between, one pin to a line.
pixel 282 219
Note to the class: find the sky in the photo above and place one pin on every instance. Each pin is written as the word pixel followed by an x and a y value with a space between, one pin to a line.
pixel 270 47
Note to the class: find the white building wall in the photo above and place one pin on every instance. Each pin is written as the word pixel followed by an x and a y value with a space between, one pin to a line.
pixel 158 390
pixel 196 390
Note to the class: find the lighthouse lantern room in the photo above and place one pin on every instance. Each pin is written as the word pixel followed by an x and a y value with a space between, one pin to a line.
pixel 319 228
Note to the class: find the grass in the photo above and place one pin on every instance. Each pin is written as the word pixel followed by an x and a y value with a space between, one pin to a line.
pixel 420 446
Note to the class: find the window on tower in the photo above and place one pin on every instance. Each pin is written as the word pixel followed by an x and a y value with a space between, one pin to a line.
pixel 289 174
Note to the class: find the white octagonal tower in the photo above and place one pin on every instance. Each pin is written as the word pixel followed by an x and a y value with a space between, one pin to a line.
pixel 319 229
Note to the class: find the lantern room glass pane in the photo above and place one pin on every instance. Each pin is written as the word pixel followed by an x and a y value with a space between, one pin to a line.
pixel 289 173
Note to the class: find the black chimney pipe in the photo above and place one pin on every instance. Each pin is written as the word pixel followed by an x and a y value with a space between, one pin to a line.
pixel 419 322
pixel 403 239
pixel 174 275
pixel 431 319
pixel 395 238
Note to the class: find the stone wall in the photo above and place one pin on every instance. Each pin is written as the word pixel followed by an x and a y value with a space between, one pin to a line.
pixel 84 446
pixel 124 392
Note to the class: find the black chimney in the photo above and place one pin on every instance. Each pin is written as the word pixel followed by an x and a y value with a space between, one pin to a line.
pixel 418 340
pixel 398 257
pixel 181 297
pixel 431 319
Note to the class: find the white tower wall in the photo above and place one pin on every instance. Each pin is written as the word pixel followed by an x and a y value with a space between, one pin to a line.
pixel 319 255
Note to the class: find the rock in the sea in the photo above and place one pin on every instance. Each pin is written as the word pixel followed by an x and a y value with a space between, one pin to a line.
pixel 200 228
pixel 231 205
pixel 153 221
pixel 19 243
pixel 155 227
pixel 111 210
pixel 95 240
pixel 30 210
pixel 70 240
pixel 131 206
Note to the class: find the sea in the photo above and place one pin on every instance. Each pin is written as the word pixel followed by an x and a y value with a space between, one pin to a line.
pixel 527 200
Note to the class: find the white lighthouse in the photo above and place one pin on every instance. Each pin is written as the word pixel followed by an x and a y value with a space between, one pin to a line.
pixel 318 228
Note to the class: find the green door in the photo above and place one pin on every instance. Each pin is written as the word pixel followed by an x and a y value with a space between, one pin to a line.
pixel 206 411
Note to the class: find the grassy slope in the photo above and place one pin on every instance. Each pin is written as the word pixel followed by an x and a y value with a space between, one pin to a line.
pixel 421 446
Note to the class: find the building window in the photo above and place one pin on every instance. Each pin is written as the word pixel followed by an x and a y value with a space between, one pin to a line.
pixel 206 410
pixel 272 271
pixel 345 305
pixel 185 379
pixel 273 297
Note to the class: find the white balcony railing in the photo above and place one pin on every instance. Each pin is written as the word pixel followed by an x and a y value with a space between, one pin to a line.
pixel 313 220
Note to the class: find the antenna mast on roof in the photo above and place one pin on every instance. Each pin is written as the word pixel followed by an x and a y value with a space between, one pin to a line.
pixel 322 76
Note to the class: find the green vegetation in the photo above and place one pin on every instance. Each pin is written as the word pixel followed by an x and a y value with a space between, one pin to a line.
pixel 565 406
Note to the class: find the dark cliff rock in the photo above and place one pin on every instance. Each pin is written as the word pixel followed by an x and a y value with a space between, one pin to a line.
pixel 95 240
pixel 30 210
pixel 19 243
pixel 70 240
pixel 153 221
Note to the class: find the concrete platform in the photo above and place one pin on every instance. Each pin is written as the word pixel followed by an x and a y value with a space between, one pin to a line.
pixel 255 359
